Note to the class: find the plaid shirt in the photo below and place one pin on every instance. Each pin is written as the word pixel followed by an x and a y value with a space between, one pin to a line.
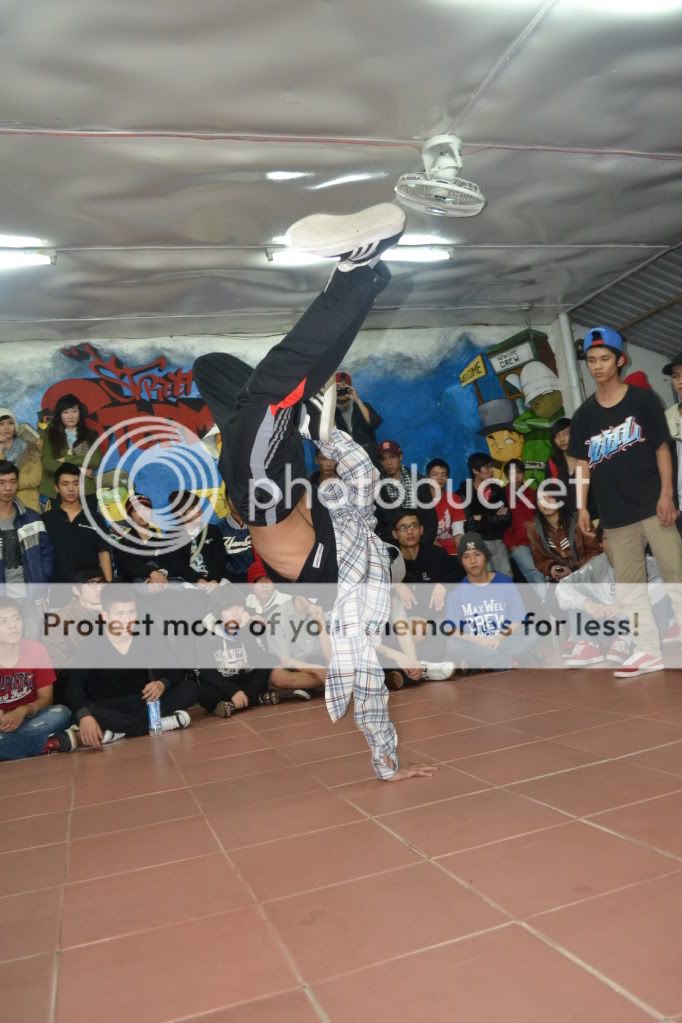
pixel 362 604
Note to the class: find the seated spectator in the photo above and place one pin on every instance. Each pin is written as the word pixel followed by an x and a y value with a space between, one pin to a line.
pixel 355 416
pixel 108 694
pixel 236 682
pixel 487 612
pixel 265 596
pixel 68 439
pixel 237 544
pixel 21 448
pixel 299 642
pixel 557 545
pixel 200 557
pixel 516 536
pixel 326 469
pixel 561 465
pixel 424 563
pixel 26 553
pixel 449 511
pixel 490 523
pixel 62 636
pixel 78 538
pixel 140 556
pixel 29 721
pixel 396 490
pixel 590 592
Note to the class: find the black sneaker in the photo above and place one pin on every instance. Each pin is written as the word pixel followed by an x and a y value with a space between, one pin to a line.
pixel 318 414
pixel 357 239
pixel 224 709
pixel 269 699
pixel 62 742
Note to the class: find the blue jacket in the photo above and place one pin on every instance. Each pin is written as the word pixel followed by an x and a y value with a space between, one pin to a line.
pixel 37 554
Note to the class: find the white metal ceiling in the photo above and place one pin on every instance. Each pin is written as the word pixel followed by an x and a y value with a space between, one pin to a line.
pixel 137 139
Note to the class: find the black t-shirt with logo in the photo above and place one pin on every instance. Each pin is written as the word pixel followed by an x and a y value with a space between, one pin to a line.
pixel 619 445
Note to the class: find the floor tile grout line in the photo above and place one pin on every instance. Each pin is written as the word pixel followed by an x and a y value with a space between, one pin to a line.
pixel 140 869
pixel 149 929
pixel 577 816
pixel 299 834
pixel 597 974
pixel 271 929
pixel 633 840
pixel 60 911
pixel 132 827
pixel 413 952
pixel 602 895
pixel 346 880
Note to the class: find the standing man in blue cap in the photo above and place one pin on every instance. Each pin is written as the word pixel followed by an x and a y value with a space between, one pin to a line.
pixel 620 440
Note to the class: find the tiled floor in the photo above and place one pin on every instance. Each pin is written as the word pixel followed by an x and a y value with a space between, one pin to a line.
pixel 253 871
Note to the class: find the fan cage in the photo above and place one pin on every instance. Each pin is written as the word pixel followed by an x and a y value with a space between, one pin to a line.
pixel 455 198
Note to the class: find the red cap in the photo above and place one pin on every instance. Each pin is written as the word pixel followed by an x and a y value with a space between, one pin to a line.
pixel 638 379
pixel 134 502
pixel 343 378
pixel 389 447
pixel 256 570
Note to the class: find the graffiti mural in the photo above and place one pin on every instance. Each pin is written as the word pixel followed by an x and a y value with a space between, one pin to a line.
pixel 116 394
pixel 441 394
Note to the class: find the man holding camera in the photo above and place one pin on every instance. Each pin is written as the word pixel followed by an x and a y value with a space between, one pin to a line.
pixel 356 417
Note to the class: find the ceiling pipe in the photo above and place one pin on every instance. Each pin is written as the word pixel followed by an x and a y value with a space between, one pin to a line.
pixel 570 361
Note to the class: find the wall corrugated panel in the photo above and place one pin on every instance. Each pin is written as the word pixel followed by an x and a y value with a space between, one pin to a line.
pixel 637 295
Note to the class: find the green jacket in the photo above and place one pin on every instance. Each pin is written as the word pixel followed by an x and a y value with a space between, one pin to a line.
pixel 51 463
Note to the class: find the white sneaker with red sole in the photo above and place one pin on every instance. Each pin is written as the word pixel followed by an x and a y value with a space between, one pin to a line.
pixel 619 651
pixel 584 654
pixel 673 635
pixel 639 663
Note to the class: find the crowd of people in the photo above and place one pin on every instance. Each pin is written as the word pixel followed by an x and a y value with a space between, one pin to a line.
pixel 457 551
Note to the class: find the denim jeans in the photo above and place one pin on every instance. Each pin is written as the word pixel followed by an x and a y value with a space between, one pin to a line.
pixel 524 562
pixel 29 738
pixel 512 649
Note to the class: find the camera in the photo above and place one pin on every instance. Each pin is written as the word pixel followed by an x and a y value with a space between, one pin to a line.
pixel 342 391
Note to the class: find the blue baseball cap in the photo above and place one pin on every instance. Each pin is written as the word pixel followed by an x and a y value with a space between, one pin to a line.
pixel 603 337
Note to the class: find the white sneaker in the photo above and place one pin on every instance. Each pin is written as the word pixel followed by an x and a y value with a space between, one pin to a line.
pixel 584 654
pixel 639 663
pixel 180 719
pixel 437 671
pixel 109 736
pixel 318 414
pixel 355 238
pixel 302 694
pixel 619 651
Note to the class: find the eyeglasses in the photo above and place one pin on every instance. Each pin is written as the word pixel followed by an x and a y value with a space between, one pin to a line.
pixel 408 526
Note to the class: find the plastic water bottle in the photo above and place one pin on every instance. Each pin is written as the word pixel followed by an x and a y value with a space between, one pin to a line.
pixel 154 712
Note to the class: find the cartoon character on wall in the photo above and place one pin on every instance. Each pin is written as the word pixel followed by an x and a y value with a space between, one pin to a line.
pixel 503 439
pixel 510 435
pixel 542 392
pixel 544 405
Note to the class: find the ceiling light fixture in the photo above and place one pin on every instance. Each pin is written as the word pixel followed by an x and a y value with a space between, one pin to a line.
pixel 407 254
pixel 634 7
pixel 291 257
pixel 280 175
pixel 347 179
pixel 418 254
pixel 18 251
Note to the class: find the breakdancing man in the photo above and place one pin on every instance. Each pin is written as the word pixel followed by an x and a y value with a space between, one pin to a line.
pixel 262 415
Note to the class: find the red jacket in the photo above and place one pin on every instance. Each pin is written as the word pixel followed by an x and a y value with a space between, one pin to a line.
pixel 516 535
